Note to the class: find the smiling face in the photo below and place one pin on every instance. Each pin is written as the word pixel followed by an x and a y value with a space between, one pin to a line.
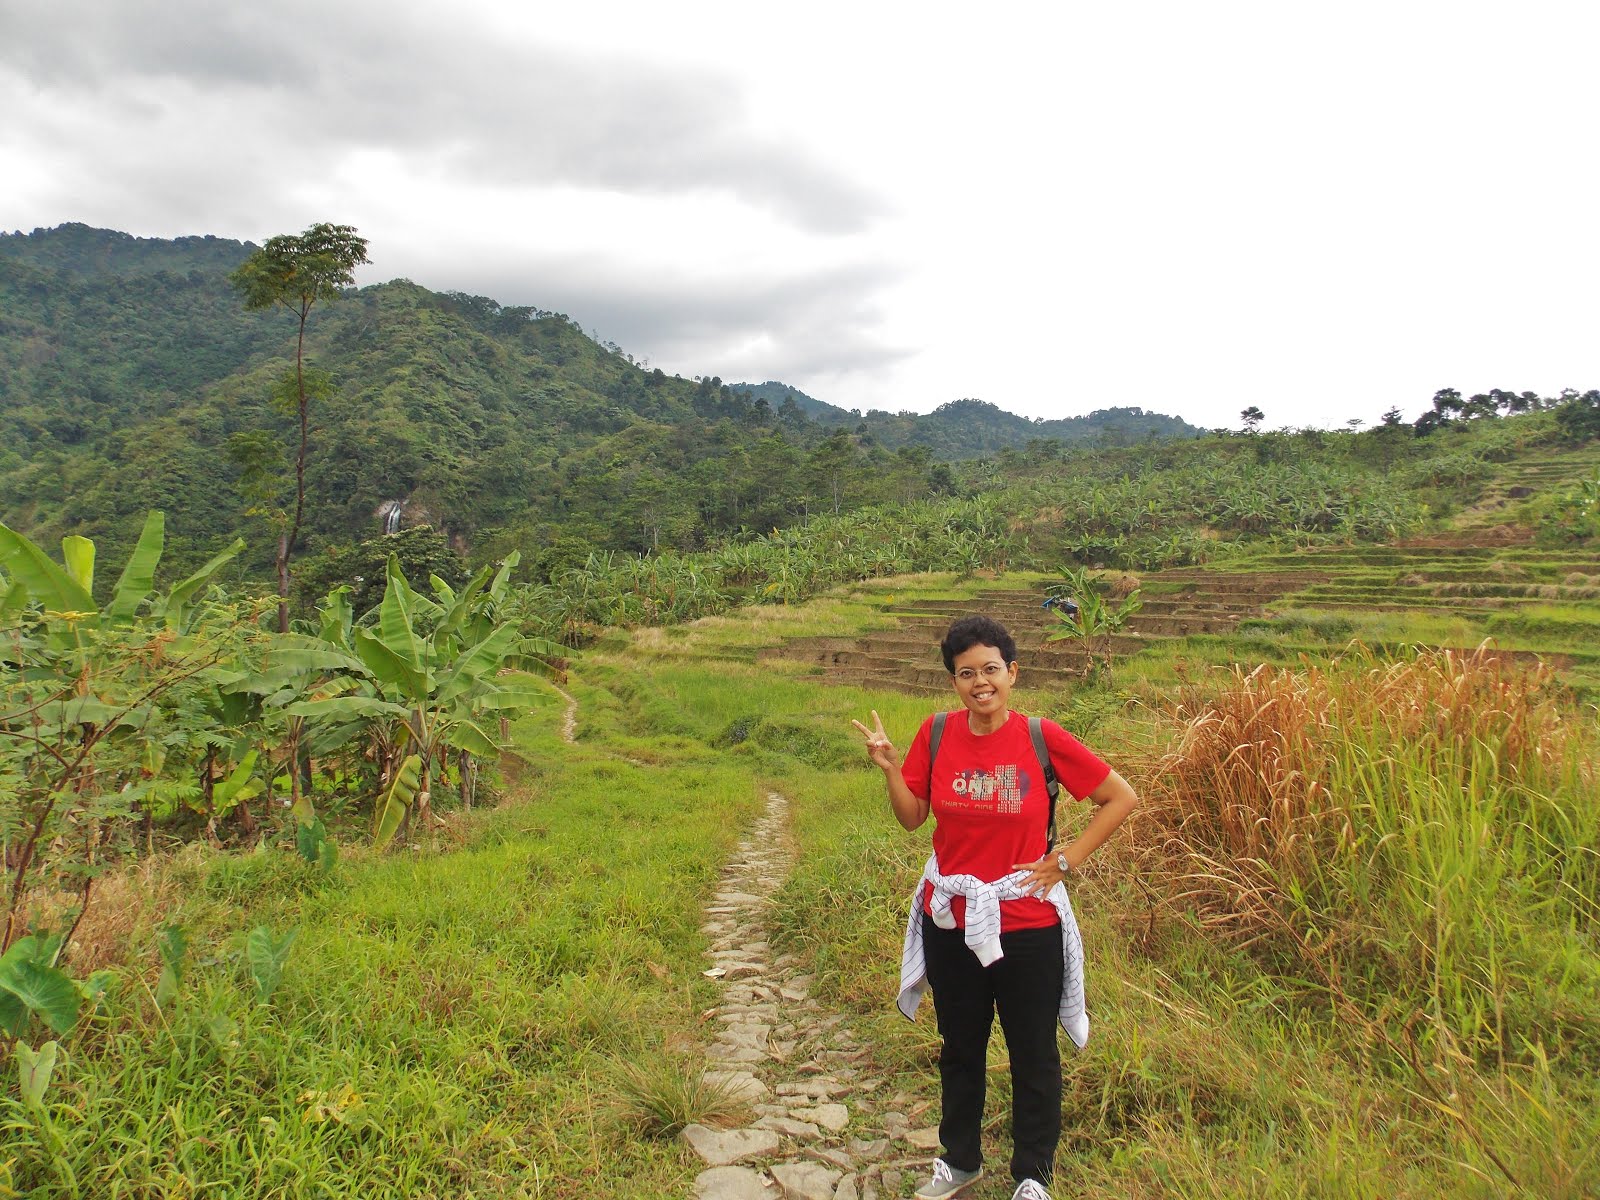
pixel 984 680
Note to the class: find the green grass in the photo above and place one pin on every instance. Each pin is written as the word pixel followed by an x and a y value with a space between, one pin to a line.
pixel 504 1018
pixel 448 1025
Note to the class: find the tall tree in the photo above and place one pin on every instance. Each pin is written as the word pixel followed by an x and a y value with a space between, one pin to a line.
pixel 1252 418
pixel 296 271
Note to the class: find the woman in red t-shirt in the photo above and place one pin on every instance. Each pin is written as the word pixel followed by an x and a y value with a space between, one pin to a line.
pixel 986 790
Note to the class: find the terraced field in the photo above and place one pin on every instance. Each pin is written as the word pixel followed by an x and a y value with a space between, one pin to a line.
pixel 1178 605
pixel 1443 591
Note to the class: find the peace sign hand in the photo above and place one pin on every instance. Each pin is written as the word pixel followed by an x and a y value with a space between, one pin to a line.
pixel 879 748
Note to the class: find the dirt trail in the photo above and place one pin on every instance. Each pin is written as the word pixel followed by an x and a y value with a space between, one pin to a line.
pixel 822 1131
pixel 569 719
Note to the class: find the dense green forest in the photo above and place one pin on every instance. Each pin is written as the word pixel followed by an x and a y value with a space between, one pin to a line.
pixel 130 373
pixel 963 429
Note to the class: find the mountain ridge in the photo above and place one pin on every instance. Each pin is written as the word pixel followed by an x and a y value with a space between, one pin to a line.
pixel 128 369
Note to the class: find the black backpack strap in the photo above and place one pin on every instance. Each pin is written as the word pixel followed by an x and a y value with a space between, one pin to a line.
pixel 1052 785
pixel 935 736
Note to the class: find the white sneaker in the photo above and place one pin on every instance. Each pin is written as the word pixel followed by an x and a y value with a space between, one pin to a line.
pixel 947 1181
pixel 1030 1189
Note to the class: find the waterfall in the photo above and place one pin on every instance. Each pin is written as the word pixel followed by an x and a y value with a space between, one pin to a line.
pixel 389 514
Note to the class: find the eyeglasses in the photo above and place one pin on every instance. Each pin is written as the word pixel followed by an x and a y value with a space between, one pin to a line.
pixel 990 673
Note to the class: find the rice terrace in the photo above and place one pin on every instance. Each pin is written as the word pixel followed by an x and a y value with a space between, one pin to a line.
pixel 531 852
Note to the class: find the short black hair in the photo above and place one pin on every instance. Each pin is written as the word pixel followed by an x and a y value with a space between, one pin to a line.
pixel 968 632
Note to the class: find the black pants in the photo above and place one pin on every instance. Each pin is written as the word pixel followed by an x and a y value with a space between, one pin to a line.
pixel 1024 987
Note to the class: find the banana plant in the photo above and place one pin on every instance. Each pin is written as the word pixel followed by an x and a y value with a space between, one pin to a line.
pixel 430 673
pixel 1095 620
pixel 68 590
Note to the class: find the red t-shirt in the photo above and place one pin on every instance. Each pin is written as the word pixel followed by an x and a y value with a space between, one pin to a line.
pixel 990 804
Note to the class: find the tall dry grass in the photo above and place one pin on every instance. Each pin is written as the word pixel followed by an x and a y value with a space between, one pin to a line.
pixel 1419 834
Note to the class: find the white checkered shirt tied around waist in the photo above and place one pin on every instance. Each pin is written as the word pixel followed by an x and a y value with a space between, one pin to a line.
pixel 982 935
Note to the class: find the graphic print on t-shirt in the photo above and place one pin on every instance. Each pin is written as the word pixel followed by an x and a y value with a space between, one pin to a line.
pixel 999 791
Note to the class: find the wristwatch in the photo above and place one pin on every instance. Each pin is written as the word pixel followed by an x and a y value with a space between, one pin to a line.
pixel 1066 867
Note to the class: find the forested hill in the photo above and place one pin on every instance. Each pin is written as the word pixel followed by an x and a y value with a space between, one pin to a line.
pixel 130 373
pixel 970 428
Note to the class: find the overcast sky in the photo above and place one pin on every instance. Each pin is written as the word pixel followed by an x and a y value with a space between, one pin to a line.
pixel 1324 210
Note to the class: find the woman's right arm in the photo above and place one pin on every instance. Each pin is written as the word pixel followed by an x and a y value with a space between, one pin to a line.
pixel 909 809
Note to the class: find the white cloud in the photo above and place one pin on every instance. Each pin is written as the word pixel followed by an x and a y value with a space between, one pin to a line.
pixel 1319 210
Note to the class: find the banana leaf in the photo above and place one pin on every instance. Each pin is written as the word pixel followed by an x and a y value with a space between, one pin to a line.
pixel 502 577
pixel 507 698
pixel 13 599
pixel 487 656
pixel 464 735
pixel 462 607
pixel 337 617
pixel 173 606
pixel 87 710
pixel 46 582
pixel 77 553
pixel 392 805
pixel 345 707
pixel 389 667
pixel 394 619
pixel 138 576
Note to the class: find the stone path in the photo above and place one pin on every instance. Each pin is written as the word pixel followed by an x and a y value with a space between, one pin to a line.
pixel 822 1129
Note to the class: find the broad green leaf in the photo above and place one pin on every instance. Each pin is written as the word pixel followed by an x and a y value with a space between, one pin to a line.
pixel 463 603
pixel 394 618
pixel 98 987
pixel 392 805
pixel 412 682
pixel 291 658
pixel 78 555
pixel 34 1070
pixel 35 947
pixel 266 956
pixel 172 943
pixel 502 577
pixel 48 583
pixel 309 840
pixel 86 710
pixel 223 1031
pixel 139 573
pixel 464 735
pixel 322 738
pixel 506 698
pixel 174 604
pixel 238 786
pixel 13 598
pixel 486 656
pixel 336 617
pixel 336 708
pixel 13 1014
pixel 47 992
pixel 441 589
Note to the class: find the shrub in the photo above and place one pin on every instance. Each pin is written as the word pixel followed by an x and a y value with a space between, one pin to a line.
pixel 1418 835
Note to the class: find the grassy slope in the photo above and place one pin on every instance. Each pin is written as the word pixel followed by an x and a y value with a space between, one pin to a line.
pixel 480 1003
pixel 1207 1075
pixel 477 1004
